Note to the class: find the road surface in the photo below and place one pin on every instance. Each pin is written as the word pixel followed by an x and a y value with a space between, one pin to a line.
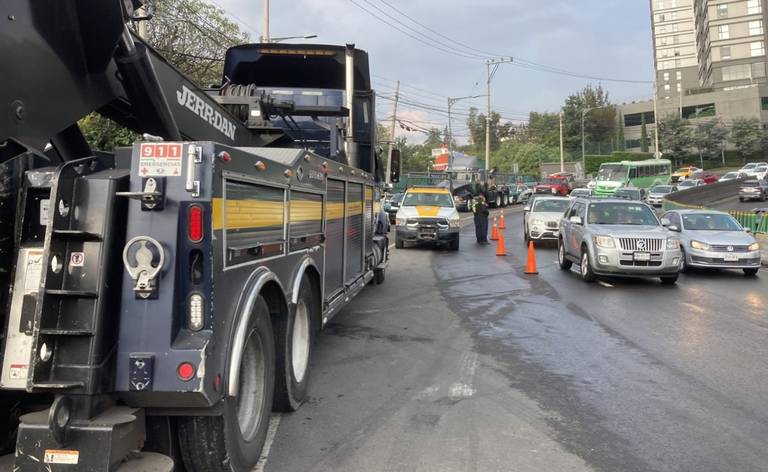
pixel 459 362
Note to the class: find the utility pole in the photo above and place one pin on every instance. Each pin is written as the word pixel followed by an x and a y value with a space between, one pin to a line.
pixel 489 74
pixel 265 37
pixel 452 101
pixel 392 134
pixel 562 145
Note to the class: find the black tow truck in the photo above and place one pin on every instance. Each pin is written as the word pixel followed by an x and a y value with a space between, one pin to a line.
pixel 160 301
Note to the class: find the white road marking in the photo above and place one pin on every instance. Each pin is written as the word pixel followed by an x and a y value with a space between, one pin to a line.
pixel 274 422
pixel 465 388
pixel 427 392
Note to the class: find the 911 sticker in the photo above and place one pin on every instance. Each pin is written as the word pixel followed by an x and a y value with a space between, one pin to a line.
pixel 160 160
pixel 60 456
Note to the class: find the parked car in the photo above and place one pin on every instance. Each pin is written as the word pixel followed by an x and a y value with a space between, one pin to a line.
pixel 554 185
pixel 704 176
pixel 520 193
pixel 690 183
pixel 714 239
pixel 391 205
pixel 630 193
pixel 749 169
pixel 753 190
pixel 657 194
pixel 580 193
pixel 760 172
pixel 541 219
pixel 617 238
pixel 733 176
pixel 683 173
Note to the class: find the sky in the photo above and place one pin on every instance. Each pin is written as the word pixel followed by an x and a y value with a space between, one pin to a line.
pixel 598 38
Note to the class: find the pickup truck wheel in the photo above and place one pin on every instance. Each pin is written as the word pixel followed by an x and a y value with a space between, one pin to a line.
pixel 399 242
pixel 586 269
pixel 563 261
pixel 233 441
pixel 498 200
pixel 454 245
pixel 683 263
pixel 294 336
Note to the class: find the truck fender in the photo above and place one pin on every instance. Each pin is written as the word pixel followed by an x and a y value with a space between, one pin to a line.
pixel 306 262
pixel 256 282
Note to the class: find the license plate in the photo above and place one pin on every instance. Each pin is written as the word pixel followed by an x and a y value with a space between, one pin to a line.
pixel 731 257
pixel 642 256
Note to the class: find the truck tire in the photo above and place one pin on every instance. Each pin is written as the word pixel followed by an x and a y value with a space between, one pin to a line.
pixel 454 245
pixel 562 258
pixel 379 275
pixel 399 242
pixel 294 336
pixel 233 441
pixel 586 268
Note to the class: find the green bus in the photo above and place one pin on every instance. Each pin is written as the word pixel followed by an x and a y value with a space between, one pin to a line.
pixel 639 174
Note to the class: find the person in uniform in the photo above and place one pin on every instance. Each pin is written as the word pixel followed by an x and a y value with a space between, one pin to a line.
pixel 480 210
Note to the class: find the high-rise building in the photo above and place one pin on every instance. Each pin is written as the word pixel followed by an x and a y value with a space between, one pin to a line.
pixel 710 59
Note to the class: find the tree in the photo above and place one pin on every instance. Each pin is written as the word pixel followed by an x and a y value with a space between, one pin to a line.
pixel 544 129
pixel 676 136
pixel 476 125
pixel 527 156
pixel 708 138
pixel 746 135
pixel 193 36
pixel 599 122
pixel 620 139
pixel 643 134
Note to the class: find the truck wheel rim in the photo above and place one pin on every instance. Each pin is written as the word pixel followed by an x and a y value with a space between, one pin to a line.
pixel 251 394
pixel 300 344
pixel 584 264
pixel 561 254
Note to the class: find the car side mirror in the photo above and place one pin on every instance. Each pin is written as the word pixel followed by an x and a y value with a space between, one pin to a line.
pixel 748 230
pixel 576 220
pixel 665 222
pixel 674 228
pixel 527 208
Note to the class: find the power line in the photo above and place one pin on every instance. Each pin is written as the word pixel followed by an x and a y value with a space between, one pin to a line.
pixel 241 21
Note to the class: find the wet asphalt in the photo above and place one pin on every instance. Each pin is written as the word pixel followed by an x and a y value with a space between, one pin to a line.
pixel 460 362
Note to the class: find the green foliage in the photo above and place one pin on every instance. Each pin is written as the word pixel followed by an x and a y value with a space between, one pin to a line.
pixel 104 134
pixel 476 125
pixel 676 137
pixel 599 122
pixel 544 129
pixel 709 138
pixel 747 135
pixel 527 156
pixel 593 162
pixel 620 139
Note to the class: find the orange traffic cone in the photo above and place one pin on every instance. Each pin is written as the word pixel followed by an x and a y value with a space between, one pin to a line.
pixel 495 231
pixel 501 223
pixel 500 249
pixel 530 266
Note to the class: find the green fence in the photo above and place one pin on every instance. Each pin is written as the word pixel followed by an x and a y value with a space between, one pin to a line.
pixel 756 221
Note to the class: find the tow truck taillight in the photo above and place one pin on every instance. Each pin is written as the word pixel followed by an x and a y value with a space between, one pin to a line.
pixel 186 371
pixel 195 224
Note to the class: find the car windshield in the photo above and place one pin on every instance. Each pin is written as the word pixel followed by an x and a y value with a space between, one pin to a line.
pixel 612 172
pixel 633 193
pixel 688 183
pixel 749 167
pixel 730 175
pixel 580 192
pixel 550 206
pixel 397 198
pixel 662 189
pixel 761 169
pixel 621 214
pixel 428 199
pixel 710 222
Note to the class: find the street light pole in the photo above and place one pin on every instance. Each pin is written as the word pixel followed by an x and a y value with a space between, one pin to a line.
pixel 655 121
pixel 489 74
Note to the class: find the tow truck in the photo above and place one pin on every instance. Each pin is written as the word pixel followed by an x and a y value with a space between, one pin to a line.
pixel 161 300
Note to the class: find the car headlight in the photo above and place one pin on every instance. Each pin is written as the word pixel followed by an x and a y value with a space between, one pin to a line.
pixel 454 222
pixel 673 244
pixel 754 247
pixel 537 222
pixel 604 241
pixel 700 245
pixel 400 221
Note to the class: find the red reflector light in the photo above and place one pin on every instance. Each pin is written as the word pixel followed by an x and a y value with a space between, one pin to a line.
pixel 195 223
pixel 186 371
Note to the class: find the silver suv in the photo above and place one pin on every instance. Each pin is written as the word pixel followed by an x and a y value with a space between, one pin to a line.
pixel 614 237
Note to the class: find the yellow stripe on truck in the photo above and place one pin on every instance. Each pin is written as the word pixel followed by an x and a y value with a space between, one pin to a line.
pixel 247 214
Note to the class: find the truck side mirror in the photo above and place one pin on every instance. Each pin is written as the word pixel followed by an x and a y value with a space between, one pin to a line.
pixel 395 165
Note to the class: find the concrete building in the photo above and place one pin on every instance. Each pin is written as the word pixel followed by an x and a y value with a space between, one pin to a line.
pixel 710 58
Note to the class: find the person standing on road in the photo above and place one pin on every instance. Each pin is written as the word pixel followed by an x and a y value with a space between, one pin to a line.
pixel 480 209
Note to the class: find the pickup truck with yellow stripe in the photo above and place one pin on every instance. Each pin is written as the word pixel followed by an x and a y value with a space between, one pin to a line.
pixel 428 214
